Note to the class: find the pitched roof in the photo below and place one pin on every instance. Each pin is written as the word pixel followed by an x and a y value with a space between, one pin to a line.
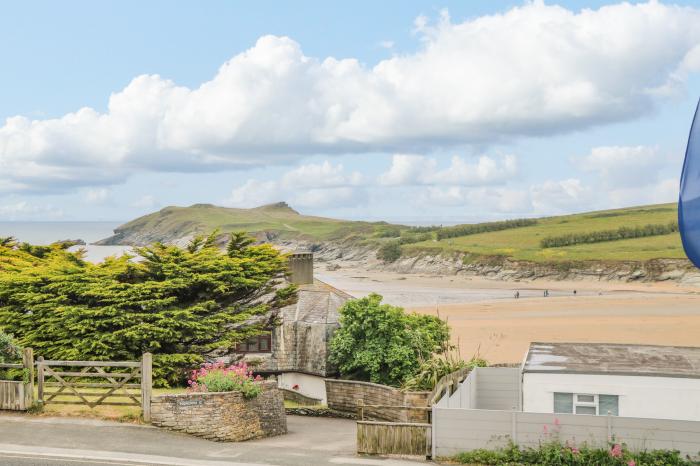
pixel 614 359
pixel 316 303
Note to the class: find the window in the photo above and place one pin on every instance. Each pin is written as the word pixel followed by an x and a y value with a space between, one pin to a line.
pixel 257 344
pixel 583 403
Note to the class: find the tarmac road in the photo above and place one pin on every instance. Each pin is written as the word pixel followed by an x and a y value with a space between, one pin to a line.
pixel 31 440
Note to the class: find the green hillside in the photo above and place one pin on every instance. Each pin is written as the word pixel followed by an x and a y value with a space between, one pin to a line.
pixel 275 220
pixel 524 243
pixel 517 239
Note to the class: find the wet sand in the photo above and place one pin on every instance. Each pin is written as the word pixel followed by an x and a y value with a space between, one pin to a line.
pixel 485 318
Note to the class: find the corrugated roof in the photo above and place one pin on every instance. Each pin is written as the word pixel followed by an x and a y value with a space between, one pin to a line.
pixel 612 358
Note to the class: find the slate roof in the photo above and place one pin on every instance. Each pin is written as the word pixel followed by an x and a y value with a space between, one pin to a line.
pixel 317 303
pixel 614 359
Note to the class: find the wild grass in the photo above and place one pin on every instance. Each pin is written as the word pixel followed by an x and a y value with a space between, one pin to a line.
pixel 525 243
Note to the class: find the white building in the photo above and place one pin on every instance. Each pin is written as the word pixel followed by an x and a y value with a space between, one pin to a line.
pixel 647 381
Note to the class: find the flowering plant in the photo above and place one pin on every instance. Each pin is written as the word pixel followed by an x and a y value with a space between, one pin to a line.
pixel 217 377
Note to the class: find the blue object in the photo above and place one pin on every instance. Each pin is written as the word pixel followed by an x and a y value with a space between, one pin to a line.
pixel 689 199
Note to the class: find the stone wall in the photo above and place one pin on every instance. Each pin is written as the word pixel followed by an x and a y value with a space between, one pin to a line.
pixel 223 416
pixel 347 395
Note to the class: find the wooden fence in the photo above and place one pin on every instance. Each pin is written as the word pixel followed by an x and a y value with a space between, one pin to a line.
pixel 95 383
pixel 19 395
pixel 393 438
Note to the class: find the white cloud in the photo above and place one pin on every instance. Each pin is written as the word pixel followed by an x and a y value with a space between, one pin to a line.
pixel 147 201
pixel 562 196
pixel 23 210
pixel 417 170
pixel 623 166
pixel 312 185
pixel 503 201
pixel 97 195
pixel 533 70
pixel 254 193
pixel 320 175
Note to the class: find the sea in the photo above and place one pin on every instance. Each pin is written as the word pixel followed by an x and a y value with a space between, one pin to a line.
pixel 43 233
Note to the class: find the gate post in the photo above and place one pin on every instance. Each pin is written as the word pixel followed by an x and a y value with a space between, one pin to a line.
pixel 28 363
pixel 40 378
pixel 146 385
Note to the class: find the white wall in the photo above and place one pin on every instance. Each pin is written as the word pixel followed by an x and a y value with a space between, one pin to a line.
pixel 486 388
pixel 309 385
pixel 648 397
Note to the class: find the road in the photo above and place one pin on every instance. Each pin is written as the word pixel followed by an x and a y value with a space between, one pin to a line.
pixel 30 440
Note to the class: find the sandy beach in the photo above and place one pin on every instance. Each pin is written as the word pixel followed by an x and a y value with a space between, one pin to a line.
pixel 485 317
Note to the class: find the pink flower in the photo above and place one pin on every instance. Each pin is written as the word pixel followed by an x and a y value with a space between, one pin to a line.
pixel 616 451
pixel 545 430
pixel 631 463
pixel 575 450
pixel 556 421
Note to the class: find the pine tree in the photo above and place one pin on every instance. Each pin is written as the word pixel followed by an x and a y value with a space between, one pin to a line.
pixel 178 303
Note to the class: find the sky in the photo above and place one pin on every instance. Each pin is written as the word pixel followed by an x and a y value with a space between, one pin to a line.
pixel 410 111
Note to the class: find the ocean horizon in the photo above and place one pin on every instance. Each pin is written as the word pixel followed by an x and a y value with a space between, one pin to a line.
pixel 44 233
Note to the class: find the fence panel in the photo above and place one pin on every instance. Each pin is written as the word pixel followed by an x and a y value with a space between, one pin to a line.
pixel 393 438
pixel 95 383
pixel 19 395
pixel 457 430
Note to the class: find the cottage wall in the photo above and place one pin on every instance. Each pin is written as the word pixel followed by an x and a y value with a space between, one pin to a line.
pixel 639 396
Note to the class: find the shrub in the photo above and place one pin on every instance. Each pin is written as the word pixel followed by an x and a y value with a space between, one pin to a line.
pixel 555 453
pixel 465 230
pixel 390 251
pixel 177 303
pixel 380 343
pixel 438 366
pixel 9 350
pixel 609 235
pixel 219 378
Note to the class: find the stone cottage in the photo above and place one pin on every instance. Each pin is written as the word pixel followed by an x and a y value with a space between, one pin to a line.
pixel 297 349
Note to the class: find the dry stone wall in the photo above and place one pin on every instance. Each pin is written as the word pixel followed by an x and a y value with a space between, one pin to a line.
pixel 347 395
pixel 223 416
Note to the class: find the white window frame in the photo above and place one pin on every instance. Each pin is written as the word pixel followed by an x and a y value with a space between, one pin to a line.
pixel 586 404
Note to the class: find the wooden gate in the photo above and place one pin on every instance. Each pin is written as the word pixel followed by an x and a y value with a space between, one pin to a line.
pixel 18 395
pixel 95 383
pixel 393 438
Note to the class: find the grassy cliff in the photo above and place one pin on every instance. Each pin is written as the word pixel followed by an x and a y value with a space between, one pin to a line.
pixel 524 243
pixel 519 240
pixel 275 221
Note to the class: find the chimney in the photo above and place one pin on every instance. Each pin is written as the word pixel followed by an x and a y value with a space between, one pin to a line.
pixel 301 268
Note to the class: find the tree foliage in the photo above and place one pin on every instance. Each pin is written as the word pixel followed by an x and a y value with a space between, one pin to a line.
pixel 609 235
pixel 178 303
pixel 390 251
pixel 465 230
pixel 381 343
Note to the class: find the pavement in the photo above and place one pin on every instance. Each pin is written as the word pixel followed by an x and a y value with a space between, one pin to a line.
pixel 31 440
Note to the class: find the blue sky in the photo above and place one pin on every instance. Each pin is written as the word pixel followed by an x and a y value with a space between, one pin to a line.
pixel 405 111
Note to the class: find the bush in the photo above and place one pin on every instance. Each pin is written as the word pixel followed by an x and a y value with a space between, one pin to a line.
pixel 556 453
pixel 9 350
pixel 219 378
pixel 609 235
pixel 177 303
pixel 465 230
pixel 389 252
pixel 432 370
pixel 380 343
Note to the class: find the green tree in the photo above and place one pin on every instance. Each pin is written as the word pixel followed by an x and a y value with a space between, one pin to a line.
pixel 390 251
pixel 381 343
pixel 180 304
